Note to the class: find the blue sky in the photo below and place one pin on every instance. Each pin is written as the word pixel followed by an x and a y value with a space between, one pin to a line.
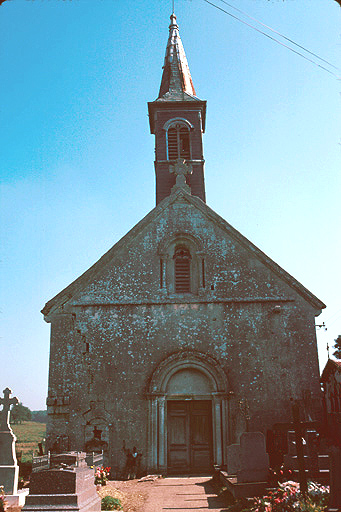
pixel 76 155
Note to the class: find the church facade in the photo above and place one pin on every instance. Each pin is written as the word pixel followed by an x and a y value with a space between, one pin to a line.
pixel 184 334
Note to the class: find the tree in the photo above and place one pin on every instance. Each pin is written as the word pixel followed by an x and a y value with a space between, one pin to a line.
pixel 39 416
pixel 337 347
pixel 20 413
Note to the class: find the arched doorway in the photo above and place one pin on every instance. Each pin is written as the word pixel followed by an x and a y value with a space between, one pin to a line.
pixel 187 414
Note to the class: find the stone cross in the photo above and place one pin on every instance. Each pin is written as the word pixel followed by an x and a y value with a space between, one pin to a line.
pixel 299 427
pixel 181 170
pixel 6 402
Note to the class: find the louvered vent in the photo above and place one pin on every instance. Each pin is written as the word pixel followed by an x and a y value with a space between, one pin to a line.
pixel 178 143
pixel 184 143
pixel 172 144
pixel 182 266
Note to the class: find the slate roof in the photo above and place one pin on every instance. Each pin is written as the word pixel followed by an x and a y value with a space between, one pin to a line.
pixel 176 82
pixel 180 194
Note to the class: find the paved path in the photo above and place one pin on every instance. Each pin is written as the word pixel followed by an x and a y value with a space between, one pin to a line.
pixel 183 494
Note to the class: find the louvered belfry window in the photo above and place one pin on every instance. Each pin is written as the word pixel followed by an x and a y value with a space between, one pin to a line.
pixel 178 142
pixel 182 270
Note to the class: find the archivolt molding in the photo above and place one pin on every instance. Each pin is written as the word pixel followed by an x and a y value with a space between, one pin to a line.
pixel 180 237
pixel 185 360
pixel 179 120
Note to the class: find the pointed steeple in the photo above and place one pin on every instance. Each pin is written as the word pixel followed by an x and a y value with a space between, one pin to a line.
pixel 177 119
pixel 176 83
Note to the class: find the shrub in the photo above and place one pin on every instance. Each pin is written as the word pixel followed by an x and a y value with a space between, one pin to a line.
pixel 110 503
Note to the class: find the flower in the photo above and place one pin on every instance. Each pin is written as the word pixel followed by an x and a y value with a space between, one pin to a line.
pixel 101 475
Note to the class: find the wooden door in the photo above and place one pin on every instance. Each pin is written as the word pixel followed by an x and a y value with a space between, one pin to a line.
pixel 189 426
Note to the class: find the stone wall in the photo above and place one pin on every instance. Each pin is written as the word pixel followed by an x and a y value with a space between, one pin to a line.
pixel 110 337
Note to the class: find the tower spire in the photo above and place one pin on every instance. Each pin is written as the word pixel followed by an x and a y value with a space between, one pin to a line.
pixel 176 82
pixel 177 119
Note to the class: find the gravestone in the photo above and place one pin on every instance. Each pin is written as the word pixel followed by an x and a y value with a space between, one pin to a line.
pixel 254 461
pixel 335 478
pixel 247 466
pixel 233 459
pixel 68 484
pixel 9 469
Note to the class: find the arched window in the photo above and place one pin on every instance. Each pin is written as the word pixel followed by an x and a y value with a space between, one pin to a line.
pixel 182 264
pixel 178 142
pixel 182 270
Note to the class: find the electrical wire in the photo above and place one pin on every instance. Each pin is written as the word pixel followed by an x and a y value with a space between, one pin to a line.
pixel 281 35
pixel 272 38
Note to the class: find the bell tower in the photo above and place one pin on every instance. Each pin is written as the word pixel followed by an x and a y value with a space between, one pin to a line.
pixel 177 119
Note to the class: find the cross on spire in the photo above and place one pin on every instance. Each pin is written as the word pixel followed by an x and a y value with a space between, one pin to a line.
pixel 6 402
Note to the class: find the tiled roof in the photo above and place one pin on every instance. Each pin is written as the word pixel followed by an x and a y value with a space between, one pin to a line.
pixel 176 82
pixel 331 366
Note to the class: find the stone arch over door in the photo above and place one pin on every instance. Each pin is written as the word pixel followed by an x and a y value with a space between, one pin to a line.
pixel 186 375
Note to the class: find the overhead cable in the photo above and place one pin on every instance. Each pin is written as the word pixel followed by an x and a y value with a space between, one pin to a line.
pixel 281 35
pixel 272 38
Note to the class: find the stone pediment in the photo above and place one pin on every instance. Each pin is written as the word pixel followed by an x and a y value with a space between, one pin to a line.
pixel 173 214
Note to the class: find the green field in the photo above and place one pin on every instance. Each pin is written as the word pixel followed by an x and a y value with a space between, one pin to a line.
pixel 28 434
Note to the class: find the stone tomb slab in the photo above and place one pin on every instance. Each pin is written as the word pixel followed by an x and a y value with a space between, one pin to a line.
pixel 64 488
pixel 242 490
pixel 254 461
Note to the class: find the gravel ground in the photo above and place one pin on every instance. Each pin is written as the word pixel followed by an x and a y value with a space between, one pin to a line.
pixel 131 493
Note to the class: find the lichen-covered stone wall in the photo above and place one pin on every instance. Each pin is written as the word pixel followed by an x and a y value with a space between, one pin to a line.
pixel 115 330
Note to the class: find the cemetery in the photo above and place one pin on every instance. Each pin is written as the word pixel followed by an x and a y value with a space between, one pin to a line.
pixel 77 481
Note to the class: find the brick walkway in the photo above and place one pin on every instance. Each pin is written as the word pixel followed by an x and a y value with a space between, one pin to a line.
pixel 183 494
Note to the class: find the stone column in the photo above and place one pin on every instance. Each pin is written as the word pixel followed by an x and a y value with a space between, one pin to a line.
pixel 217 437
pixel 162 434
pixel 225 429
pixel 153 427
pixel 163 271
pixel 201 270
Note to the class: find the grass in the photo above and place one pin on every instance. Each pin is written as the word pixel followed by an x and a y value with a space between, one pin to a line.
pixel 28 434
